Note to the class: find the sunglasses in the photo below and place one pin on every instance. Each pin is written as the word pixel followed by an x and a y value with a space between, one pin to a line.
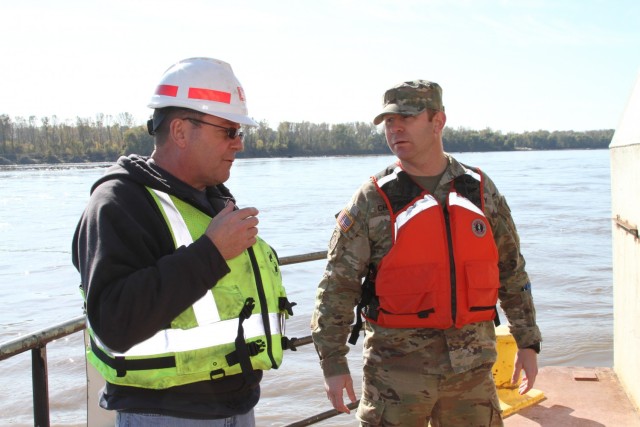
pixel 232 133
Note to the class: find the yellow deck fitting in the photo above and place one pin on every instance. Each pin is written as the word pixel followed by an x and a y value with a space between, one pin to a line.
pixel 510 400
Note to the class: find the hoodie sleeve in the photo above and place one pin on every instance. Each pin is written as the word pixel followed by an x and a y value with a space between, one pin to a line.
pixel 134 279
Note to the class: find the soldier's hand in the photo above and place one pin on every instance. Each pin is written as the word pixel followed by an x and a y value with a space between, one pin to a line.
pixel 334 387
pixel 233 231
pixel 527 360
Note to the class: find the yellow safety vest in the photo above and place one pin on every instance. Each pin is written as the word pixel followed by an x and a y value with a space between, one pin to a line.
pixel 236 327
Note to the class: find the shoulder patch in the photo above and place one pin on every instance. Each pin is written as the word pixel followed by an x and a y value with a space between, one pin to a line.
pixel 346 217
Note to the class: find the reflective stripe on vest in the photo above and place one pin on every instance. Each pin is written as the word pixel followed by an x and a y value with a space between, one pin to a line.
pixel 205 309
pixel 178 340
pixel 427 202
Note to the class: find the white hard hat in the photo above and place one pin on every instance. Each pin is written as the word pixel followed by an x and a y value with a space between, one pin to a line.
pixel 203 84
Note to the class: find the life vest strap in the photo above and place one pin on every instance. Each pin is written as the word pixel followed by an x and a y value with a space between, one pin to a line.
pixel 121 365
pixel 367 296
pixel 483 308
pixel 355 330
pixel 425 313
pixel 242 353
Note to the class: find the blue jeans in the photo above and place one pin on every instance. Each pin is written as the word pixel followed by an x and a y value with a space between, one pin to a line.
pixel 126 419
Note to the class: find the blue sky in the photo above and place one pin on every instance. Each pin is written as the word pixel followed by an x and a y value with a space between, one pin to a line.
pixel 508 65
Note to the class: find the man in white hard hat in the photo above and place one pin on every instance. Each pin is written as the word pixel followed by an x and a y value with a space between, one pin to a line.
pixel 184 301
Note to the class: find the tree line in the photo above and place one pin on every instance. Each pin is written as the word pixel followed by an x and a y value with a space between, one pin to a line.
pixel 105 138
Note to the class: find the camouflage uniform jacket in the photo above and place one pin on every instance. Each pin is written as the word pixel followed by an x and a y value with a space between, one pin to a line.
pixel 433 351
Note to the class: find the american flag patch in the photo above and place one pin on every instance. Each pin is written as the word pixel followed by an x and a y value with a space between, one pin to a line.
pixel 345 218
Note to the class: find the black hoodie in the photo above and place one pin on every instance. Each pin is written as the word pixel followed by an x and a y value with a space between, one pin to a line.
pixel 136 282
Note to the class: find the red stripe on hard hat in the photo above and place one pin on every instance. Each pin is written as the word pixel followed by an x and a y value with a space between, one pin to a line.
pixel 167 90
pixel 209 95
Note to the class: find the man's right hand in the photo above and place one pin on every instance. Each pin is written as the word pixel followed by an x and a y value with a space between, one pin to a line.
pixel 334 386
pixel 233 231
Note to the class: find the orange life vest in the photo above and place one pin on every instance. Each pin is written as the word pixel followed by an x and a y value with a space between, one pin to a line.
pixel 442 269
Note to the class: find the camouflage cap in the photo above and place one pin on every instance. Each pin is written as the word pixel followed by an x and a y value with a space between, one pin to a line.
pixel 411 98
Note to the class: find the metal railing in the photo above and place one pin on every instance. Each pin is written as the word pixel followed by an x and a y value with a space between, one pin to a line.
pixel 37 343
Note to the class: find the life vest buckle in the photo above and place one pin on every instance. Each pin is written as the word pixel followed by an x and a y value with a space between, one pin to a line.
pixel 256 347
pixel 247 309
pixel 285 304
pixel 289 343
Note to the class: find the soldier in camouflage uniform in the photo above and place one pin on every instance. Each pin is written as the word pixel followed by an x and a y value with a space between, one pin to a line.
pixel 413 376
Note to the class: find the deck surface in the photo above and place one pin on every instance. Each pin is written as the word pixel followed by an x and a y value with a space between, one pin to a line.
pixel 581 397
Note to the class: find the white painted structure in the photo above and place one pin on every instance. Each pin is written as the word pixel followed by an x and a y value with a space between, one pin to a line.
pixel 625 205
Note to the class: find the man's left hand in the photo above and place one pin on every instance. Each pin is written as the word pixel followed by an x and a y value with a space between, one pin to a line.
pixel 527 360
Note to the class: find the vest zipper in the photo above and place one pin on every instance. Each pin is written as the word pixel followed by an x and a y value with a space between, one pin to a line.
pixel 452 264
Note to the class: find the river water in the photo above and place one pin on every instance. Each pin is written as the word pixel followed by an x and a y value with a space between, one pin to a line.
pixel 560 201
